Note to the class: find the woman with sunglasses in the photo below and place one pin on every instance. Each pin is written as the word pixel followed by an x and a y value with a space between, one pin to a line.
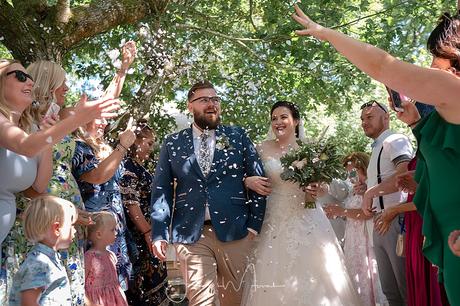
pixel 25 157
pixel 50 89
pixel 437 195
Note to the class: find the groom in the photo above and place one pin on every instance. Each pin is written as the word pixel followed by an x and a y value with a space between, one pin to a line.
pixel 199 202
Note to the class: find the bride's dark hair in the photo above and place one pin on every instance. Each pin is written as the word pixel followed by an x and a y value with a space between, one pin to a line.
pixel 292 108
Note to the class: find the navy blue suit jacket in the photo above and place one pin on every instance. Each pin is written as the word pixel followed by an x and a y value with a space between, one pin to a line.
pixel 233 209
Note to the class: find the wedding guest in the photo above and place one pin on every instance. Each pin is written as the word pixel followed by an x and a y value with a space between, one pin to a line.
pixel 98 170
pixel 437 171
pixel 18 146
pixel 41 279
pixel 423 287
pixel 391 154
pixel 50 89
pixel 102 287
pixel 21 152
pixel 148 285
pixel 358 249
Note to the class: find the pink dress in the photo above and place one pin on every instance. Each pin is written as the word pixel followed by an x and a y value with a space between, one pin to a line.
pixel 102 286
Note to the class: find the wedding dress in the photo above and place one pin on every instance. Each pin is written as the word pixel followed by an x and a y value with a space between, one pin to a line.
pixel 297 259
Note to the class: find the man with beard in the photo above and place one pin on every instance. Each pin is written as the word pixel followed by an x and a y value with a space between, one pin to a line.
pixel 200 204
pixel 391 154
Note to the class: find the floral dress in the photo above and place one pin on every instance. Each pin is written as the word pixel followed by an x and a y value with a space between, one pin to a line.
pixel 104 197
pixel 149 274
pixel 62 184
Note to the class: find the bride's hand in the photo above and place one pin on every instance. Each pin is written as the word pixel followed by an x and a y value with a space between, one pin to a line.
pixel 316 189
pixel 311 28
pixel 258 184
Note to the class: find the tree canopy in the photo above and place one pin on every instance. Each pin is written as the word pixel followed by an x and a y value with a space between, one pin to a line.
pixel 246 48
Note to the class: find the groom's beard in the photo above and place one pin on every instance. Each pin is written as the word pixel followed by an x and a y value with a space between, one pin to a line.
pixel 206 122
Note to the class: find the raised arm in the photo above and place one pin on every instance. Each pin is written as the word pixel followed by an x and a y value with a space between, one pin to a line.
pixel 15 139
pixel 107 168
pixel 128 55
pixel 440 88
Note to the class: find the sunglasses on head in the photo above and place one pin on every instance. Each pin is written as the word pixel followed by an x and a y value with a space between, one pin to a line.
pixel 21 76
pixel 373 103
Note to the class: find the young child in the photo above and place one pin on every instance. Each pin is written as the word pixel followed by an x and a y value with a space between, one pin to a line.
pixel 102 286
pixel 42 278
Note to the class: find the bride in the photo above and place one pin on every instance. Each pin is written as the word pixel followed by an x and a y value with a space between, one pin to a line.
pixel 297 259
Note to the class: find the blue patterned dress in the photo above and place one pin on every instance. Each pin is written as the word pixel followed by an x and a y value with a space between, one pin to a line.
pixel 104 197
pixel 149 282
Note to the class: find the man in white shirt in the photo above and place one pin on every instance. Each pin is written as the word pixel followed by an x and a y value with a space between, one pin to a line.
pixel 391 153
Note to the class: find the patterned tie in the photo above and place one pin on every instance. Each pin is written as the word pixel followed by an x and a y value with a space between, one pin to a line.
pixel 204 159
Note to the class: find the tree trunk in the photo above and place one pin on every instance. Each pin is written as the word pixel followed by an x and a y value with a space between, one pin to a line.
pixel 32 29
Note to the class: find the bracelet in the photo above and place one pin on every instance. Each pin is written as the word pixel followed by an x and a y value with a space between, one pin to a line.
pixel 415 122
pixel 147 232
pixel 122 71
pixel 119 144
pixel 121 149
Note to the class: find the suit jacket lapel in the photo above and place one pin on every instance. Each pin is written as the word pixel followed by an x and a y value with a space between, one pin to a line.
pixel 190 150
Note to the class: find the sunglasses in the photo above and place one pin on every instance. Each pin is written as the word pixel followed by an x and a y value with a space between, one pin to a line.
pixel 373 103
pixel 21 76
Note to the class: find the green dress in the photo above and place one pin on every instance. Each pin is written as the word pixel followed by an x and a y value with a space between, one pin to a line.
pixel 438 195
pixel 16 247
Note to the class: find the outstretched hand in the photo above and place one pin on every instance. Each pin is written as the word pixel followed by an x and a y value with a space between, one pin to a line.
pixel 128 54
pixel 104 107
pixel 311 28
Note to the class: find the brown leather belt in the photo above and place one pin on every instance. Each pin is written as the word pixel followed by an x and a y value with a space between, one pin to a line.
pixel 207 222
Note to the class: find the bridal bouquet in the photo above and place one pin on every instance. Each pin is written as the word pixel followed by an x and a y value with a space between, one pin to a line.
pixel 312 162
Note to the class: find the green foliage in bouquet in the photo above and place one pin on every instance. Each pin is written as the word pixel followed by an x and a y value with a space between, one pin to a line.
pixel 318 161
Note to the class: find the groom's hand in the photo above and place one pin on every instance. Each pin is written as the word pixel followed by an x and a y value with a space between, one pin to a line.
pixel 159 249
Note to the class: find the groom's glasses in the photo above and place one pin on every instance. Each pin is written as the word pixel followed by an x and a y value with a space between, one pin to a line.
pixel 206 100
pixel 373 103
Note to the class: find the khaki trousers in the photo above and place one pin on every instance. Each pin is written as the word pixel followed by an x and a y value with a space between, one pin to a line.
pixel 213 270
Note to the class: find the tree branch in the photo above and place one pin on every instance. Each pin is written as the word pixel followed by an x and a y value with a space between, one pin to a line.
pixel 63 13
pixel 251 9
pixel 200 29
pixel 101 15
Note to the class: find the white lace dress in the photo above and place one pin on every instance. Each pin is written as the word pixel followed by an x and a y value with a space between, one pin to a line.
pixel 297 259
pixel 360 258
